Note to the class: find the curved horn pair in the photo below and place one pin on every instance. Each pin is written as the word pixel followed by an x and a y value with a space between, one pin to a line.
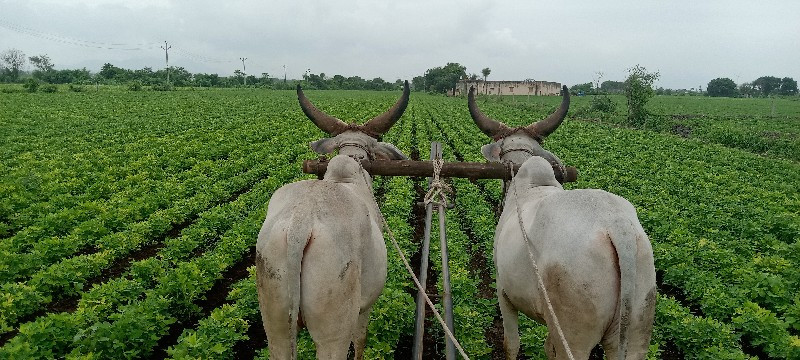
pixel 494 128
pixel 376 126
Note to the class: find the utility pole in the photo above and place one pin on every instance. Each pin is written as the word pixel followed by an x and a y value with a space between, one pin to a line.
pixel 284 74
pixel 244 70
pixel 166 48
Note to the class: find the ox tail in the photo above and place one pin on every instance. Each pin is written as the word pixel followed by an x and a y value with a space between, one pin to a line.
pixel 624 240
pixel 297 238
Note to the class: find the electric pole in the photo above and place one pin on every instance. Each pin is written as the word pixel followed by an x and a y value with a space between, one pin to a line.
pixel 166 48
pixel 244 70
pixel 284 74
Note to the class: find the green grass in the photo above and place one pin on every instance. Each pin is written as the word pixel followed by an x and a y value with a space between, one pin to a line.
pixel 748 124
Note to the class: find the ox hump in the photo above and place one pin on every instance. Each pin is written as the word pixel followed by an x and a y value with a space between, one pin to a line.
pixel 536 171
pixel 344 169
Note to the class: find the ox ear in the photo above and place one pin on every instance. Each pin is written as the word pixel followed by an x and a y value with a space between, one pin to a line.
pixel 491 151
pixel 387 151
pixel 324 146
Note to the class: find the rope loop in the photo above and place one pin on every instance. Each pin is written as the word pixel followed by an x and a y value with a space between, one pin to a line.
pixel 438 188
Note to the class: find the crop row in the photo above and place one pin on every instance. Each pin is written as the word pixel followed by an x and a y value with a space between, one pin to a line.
pixel 112 217
pixel 68 277
pixel 45 177
pixel 178 283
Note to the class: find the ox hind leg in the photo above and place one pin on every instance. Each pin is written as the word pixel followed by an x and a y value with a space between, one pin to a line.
pixel 641 328
pixel 510 317
pixel 274 306
pixel 360 334
pixel 330 305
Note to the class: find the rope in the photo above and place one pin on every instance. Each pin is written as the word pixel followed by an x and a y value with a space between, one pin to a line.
pixel 438 188
pixel 411 271
pixel 538 275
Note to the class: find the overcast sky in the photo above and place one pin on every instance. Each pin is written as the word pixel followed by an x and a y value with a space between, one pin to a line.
pixel 687 42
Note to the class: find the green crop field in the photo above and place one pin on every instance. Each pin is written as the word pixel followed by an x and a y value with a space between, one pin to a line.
pixel 128 219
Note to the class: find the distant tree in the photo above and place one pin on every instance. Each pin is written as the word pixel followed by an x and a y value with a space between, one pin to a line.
pixel 442 79
pixel 788 86
pixel 767 85
pixel 638 91
pixel 317 81
pixel 12 60
pixel 355 83
pixel 379 84
pixel 44 68
pixel 581 88
pixel 178 76
pixel 721 87
pixel 338 82
pixel 747 90
pixel 111 72
pixel 239 75
pixel 486 72
pixel 418 83
pixel 612 86
pixel 41 63
pixel 207 80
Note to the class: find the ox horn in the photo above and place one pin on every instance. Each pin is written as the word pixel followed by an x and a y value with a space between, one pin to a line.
pixel 547 126
pixel 383 122
pixel 489 126
pixel 324 122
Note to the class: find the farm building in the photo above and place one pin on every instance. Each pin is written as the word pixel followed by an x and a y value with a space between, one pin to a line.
pixel 525 87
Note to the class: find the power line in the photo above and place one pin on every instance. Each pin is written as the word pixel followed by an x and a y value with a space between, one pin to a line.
pixel 145 46
pixel 73 41
pixel 201 58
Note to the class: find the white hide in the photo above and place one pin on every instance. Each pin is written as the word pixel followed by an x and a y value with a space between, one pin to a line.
pixel 594 258
pixel 321 262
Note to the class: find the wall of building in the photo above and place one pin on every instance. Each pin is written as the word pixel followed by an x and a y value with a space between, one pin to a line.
pixel 509 87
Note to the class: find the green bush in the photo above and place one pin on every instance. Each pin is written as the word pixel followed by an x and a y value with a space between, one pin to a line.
pixel 31 85
pixel 76 88
pixel 163 87
pixel 48 88
pixel 638 90
pixel 603 103
pixel 135 85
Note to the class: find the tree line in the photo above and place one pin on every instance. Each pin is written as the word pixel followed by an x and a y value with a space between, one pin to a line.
pixel 720 87
pixel 439 79
pixel 763 86
pixel 13 62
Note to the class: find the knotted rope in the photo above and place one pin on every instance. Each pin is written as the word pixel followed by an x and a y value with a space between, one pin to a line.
pixel 438 188
pixel 529 247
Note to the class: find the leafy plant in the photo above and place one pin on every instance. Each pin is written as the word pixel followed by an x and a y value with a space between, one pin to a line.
pixel 31 85
pixel 638 90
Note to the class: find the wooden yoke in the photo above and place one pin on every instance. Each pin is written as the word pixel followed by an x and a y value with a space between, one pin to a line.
pixel 470 170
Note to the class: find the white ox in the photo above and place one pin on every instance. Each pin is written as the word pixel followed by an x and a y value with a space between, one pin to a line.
pixel 320 256
pixel 594 258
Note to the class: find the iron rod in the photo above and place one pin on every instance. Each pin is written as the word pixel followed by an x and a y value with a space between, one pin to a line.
pixel 447 297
